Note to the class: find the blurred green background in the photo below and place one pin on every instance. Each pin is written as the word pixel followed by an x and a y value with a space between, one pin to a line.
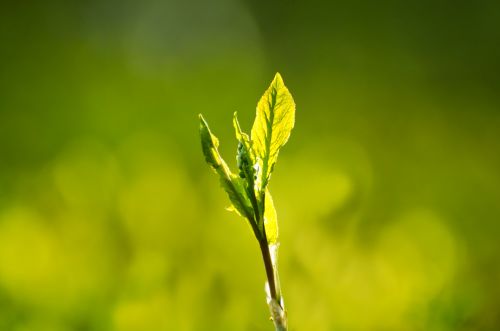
pixel 388 192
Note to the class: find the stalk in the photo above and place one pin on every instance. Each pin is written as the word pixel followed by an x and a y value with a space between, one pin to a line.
pixel 256 156
pixel 273 289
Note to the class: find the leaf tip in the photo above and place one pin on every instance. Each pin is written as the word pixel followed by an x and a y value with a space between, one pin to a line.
pixel 203 124
pixel 236 125
pixel 202 120
pixel 278 80
pixel 235 119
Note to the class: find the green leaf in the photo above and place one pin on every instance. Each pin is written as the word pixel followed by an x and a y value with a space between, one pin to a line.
pixel 270 219
pixel 272 127
pixel 245 158
pixel 232 184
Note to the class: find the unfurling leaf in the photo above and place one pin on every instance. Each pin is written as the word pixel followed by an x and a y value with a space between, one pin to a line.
pixel 232 184
pixel 273 123
pixel 245 160
pixel 245 157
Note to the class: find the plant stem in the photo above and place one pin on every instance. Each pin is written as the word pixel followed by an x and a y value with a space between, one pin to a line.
pixel 266 256
pixel 278 314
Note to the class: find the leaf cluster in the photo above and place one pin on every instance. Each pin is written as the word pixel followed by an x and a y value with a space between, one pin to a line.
pixel 256 157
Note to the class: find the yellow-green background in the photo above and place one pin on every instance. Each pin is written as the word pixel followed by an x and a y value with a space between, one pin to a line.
pixel 388 192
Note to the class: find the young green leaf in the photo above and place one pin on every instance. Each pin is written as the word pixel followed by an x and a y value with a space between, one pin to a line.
pixel 273 123
pixel 245 160
pixel 245 157
pixel 232 184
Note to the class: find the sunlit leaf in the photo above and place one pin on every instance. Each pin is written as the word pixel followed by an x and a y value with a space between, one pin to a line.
pixel 274 121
